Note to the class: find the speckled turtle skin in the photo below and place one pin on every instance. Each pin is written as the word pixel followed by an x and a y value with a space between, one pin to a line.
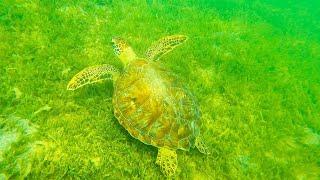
pixel 151 104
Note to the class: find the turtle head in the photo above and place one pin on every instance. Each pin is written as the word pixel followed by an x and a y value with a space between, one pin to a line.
pixel 123 50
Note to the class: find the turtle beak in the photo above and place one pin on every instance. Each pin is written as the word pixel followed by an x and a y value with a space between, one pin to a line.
pixel 118 40
pixel 113 41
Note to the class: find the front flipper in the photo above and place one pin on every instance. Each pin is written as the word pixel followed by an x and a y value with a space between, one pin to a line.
pixel 164 45
pixel 91 75
pixel 167 160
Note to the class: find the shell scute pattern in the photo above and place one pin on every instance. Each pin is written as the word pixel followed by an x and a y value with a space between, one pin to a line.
pixel 154 108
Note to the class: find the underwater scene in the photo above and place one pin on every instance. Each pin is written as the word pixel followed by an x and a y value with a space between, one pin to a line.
pixel 179 89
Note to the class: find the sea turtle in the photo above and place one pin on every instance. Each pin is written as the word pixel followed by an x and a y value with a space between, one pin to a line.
pixel 149 101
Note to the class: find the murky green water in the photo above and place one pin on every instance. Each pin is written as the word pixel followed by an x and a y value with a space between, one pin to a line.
pixel 252 66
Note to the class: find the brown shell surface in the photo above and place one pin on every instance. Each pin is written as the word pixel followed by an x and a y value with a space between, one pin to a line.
pixel 153 107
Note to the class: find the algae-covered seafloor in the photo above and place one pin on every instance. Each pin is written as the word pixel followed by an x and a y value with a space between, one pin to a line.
pixel 253 66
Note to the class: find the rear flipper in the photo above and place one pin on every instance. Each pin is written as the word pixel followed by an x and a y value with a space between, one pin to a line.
pixel 167 160
pixel 201 146
pixel 91 75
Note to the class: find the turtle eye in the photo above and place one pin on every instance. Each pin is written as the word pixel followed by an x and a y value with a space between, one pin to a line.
pixel 134 99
